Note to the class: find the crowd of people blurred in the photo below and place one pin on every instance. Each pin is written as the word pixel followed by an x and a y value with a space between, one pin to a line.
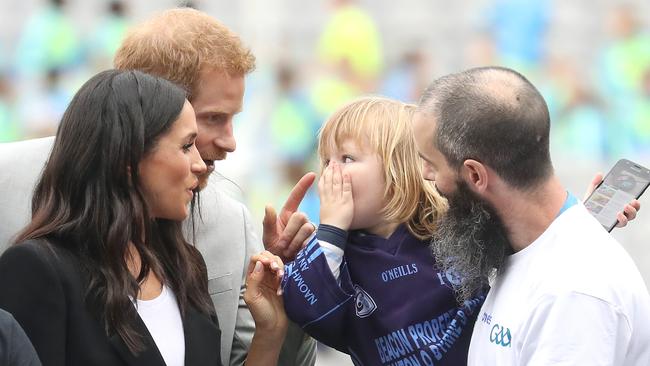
pixel 597 115
pixel 49 63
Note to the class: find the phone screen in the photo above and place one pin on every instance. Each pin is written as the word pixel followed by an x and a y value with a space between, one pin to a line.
pixel 625 182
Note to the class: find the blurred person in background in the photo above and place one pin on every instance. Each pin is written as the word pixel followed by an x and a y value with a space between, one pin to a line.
pixel 200 54
pixel 294 123
pixel 107 36
pixel 623 64
pixel 42 111
pixel 403 81
pixel 580 129
pixel 48 41
pixel 518 29
pixel 351 36
pixel 49 53
pixel 293 126
pixel 103 275
pixel 350 55
pixel 641 118
pixel 480 50
pixel 9 129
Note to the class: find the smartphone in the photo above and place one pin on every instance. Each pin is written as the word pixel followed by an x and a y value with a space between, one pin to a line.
pixel 625 182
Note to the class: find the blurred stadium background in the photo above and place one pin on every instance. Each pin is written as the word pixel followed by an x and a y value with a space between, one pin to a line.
pixel 590 58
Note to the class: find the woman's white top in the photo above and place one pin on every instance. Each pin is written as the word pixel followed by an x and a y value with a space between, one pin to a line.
pixel 163 320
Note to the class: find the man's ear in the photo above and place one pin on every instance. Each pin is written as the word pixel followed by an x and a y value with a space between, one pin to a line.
pixel 475 174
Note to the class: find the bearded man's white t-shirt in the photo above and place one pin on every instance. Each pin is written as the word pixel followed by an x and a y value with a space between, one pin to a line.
pixel 572 297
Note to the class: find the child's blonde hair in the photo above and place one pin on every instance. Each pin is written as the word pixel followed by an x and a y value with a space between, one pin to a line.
pixel 384 126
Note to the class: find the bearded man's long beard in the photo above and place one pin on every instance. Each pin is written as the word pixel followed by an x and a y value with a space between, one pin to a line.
pixel 471 242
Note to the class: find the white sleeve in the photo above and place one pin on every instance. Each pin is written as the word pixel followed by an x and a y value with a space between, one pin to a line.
pixel 334 257
pixel 574 329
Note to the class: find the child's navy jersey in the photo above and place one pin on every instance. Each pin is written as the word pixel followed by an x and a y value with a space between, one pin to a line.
pixel 391 305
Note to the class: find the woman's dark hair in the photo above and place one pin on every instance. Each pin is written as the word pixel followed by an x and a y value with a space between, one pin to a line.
pixel 89 198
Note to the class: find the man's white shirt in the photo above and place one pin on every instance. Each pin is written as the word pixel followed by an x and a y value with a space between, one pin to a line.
pixel 572 297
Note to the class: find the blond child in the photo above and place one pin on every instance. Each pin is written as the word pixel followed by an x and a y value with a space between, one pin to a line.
pixel 367 284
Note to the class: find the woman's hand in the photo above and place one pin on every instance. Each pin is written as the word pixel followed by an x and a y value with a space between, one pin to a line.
pixel 264 299
pixel 263 293
pixel 336 202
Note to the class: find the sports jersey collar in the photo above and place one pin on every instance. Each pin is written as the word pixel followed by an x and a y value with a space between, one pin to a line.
pixel 362 239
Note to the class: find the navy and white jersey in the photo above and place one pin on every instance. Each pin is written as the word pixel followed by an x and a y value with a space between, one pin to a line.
pixel 391 305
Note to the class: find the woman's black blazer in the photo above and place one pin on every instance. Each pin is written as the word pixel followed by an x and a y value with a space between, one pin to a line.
pixel 42 285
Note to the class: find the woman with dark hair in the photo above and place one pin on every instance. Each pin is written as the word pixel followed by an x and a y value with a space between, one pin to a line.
pixel 102 275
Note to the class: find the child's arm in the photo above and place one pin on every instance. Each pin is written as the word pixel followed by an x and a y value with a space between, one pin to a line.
pixel 313 295
pixel 332 240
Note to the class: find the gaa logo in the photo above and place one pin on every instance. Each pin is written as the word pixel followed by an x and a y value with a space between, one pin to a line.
pixel 363 303
pixel 500 335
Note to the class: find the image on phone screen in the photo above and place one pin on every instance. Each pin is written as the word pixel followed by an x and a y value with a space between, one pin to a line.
pixel 625 182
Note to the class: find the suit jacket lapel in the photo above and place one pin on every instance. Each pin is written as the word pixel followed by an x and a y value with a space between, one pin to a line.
pixel 150 356
pixel 202 339
pixel 202 342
